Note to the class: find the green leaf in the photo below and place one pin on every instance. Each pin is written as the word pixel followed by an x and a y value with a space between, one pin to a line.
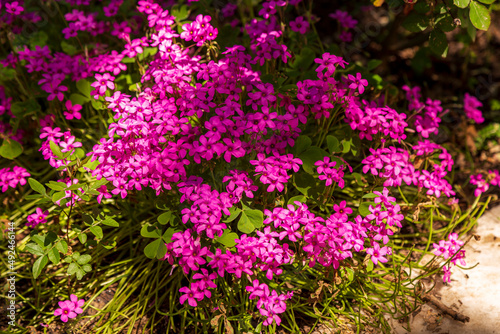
pixel 370 195
pixel 50 238
pixel 87 267
pixel 227 239
pixel 301 144
pixel 299 198
pixel 438 43
pixel 235 212
pixel 151 231
pixel 68 48
pixel 479 15
pixel 306 184
pixel 461 3
pixel 57 196
pixel 369 266
pixel 422 7
pixel 72 268
pixel 416 22
pixel 58 186
pixel 39 239
pixel 62 246
pixel 180 12
pixel 22 109
pixel 349 274
pixel 82 237
pixel 54 256
pixel 128 60
pixel 346 146
pixel 167 236
pixel 373 64
pixel 488 2
pixel 83 259
pixel 245 226
pixel 37 186
pixel 359 179
pixel 78 99
pixel 333 144
pixel 56 150
pixel 10 149
pixel 110 222
pixel 34 249
pixel 310 157
pixel 84 87
pixel 364 208
pixel 256 217
pixel 165 218
pixel 156 249
pixel 304 59
pixel 38 38
pixel 97 231
pixel 39 264
pixel 444 22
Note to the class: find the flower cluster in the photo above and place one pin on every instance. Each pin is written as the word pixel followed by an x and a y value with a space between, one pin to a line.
pixel 390 163
pixel 273 169
pixel 199 31
pixel 270 304
pixel 428 114
pixel 372 121
pixel 471 105
pixel 70 308
pixel 434 180
pixel 450 249
pixel 483 184
pixel 346 22
pixel 328 172
pixel 39 217
pixel 79 21
pixel 12 177
pixel 64 140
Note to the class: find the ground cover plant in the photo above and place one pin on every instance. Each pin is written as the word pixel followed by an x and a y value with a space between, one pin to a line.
pixel 233 166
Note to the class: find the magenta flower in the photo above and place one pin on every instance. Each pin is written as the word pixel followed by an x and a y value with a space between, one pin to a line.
pixel 14 8
pixel 191 295
pixel 69 309
pixel 300 25
pixel 103 82
pixel 357 82
pixel 73 111
pixel 471 105
pixel 39 217
pixel 378 253
pixel 78 303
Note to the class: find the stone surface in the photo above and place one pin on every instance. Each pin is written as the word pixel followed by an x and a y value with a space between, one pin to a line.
pixel 474 293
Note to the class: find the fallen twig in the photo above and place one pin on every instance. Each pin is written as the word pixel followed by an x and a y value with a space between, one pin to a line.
pixel 445 309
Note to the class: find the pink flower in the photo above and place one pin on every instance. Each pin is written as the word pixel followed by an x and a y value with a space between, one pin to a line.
pixel 14 8
pixel 471 105
pixel 299 25
pixel 378 253
pixel 73 111
pixel 103 82
pixel 191 295
pixel 357 82
pixel 66 310
pixel 39 217
pixel 69 309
